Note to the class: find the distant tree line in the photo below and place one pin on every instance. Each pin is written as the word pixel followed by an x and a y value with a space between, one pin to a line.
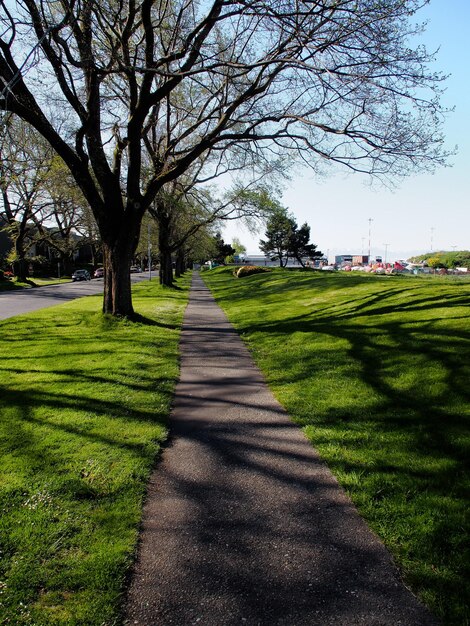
pixel 443 259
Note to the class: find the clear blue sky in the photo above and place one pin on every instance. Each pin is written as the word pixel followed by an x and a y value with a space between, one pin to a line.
pixel 424 211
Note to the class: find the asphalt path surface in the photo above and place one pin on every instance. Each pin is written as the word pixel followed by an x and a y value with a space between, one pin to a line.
pixel 243 523
pixel 21 301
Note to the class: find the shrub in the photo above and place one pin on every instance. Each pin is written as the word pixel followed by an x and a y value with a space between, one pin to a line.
pixel 248 270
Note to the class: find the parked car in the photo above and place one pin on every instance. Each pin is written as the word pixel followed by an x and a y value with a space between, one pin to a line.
pixel 81 275
pixel 99 272
pixel 135 269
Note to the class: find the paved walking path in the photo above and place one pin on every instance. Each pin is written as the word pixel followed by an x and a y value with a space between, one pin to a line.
pixel 244 525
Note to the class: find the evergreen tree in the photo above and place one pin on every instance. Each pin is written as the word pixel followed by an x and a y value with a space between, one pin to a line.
pixel 222 249
pixel 299 246
pixel 284 239
pixel 279 231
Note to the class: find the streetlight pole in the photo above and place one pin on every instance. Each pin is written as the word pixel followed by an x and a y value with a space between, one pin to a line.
pixel 432 237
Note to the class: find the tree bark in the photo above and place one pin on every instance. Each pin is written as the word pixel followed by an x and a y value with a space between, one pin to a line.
pixel 120 262
pixel 118 250
pixel 107 290
pixel 179 266
pixel 166 269
pixel 20 270
pixel 20 265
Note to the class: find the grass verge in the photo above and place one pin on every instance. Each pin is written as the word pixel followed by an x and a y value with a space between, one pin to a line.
pixel 10 285
pixel 84 403
pixel 376 371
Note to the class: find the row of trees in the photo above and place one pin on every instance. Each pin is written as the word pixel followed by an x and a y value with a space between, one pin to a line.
pixel 147 102
pixel 43 205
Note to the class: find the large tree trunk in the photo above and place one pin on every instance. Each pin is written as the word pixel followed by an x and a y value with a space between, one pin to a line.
pixel 20 269
pixel 117 298
pixel 20 265
pixel 166 269
pixel 179 265
pixel 118 253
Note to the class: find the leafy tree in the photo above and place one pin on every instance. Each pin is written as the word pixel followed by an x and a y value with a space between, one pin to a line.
pixel 461 259
pixel 284 239
pixel 200 246
pixel 65 222
pixel 41 201
pixel 436 261
pixel 299 246
pixel 280 229
pixel 130 95
pixel 25 165
pixel 239 248
pixel 239 251
pixel 222 249
pixel 182 208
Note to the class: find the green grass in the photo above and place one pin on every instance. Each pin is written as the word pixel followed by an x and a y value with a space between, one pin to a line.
pixel 376 371
pixel 84 402
pixel 42 282
pixel 9 285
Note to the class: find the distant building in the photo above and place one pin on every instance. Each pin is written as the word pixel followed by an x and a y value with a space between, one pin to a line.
pixel 360 259
pixel 341 259
pixel 351 259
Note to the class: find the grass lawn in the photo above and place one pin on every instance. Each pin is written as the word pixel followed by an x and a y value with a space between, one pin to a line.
pixel 9 285
pixel 376 370
pixel 42 282
pixel 84 402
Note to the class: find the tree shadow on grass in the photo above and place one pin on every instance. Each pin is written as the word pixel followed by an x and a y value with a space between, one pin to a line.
pixel 372 354
pixel 64 378
pixel 148 321
pixel 411 372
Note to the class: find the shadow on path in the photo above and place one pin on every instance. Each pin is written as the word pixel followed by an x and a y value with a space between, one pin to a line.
pixel 243 522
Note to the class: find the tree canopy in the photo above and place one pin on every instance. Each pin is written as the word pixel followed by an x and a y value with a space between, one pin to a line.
pixel 132 94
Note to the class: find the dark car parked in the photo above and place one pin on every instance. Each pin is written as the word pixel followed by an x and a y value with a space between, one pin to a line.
pixel 81 275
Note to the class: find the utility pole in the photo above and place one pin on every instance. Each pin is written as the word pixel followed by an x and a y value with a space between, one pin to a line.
pixel 432 236
pixel 370 223
pixel 386 248
pixel 362 248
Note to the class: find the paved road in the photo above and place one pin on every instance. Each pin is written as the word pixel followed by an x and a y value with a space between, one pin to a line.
pixel 244 525
pixel 22 301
